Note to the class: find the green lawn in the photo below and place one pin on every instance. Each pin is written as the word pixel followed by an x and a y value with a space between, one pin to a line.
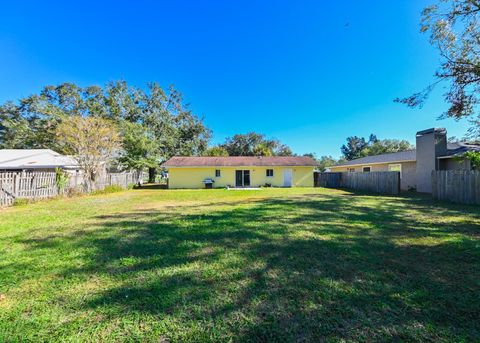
pixel 281 265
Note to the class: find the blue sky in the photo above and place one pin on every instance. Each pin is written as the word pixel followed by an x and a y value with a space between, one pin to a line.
pixel 309 73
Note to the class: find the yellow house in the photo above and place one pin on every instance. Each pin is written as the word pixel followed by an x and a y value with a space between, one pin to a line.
pixel 240 171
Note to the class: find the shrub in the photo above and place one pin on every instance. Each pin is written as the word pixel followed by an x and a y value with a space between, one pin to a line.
pixel 474 157
pixel 61 179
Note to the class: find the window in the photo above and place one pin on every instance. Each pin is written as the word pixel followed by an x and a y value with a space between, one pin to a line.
pixel 217 173
pixel 367 169
pixel 351 170
pixel 269 172
pixel 395 167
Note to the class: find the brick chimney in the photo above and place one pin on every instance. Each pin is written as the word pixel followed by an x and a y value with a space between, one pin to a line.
pixel 431 144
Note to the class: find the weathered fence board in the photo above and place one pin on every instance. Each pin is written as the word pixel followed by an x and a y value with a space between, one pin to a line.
pixel 120 179
pixel 27 186
pixel 461 186
pixel 376 182
pixel 328 180
pixel 7 189
pixel 41 185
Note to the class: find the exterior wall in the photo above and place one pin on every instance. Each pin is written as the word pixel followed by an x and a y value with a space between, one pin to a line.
pixel 193 177
pixel 452 164
pixel 408 175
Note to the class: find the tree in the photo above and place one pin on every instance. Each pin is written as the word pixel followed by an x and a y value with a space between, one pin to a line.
pixel 357 147
pixel 282 150
pixel 255 144
pixel 215 151
pixel 31 123
pixel 262 150
pixel 454 28
pixel 326 161
pixel 122 102
pixel 176 130
pixel 15 130
pixel 91 141
pixel 192 136
pixel 354 147
pixel 386 146
pixel 474 158
pixel 311 155
pixel 139 148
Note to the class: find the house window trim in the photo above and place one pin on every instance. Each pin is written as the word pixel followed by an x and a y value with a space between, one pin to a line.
pixel 350 170
pixel 396 164
pixel 266 172
pixel 363 169
pixel 218 173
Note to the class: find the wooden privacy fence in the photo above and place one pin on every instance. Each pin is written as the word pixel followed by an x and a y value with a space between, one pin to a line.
pixel 461 186
pixel 376 182
pixel 40 185
pixel 327 180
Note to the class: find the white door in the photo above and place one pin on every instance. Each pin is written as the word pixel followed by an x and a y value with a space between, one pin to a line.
pixel 287 177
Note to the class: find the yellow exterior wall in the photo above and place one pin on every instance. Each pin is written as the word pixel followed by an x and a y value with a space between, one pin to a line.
pixel 192 177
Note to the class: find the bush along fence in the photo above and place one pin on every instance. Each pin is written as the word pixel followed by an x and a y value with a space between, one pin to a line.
pixel 41 185
pixel 376 182
pixel 460 186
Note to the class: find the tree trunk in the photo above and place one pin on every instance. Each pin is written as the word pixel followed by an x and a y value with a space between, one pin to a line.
pixel 139 177
pixel 152 173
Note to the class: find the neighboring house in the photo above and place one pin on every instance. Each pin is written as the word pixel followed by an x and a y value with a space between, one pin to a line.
pixel 240 171
pixel 35 160
pixel 415 166
pixel 404 162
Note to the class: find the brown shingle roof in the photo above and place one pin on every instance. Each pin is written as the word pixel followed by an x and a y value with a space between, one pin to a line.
pixel 239 161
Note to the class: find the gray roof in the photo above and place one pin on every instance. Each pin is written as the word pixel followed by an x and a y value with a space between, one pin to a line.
pixel 453 149
pixel 402 156
pixel 458 148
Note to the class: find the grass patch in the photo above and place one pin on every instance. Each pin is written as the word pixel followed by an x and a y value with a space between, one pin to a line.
pixel 110 189
pixel 212 265
pixel 22 202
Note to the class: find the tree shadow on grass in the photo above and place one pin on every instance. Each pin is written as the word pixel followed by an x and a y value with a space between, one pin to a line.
pixel 292 269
